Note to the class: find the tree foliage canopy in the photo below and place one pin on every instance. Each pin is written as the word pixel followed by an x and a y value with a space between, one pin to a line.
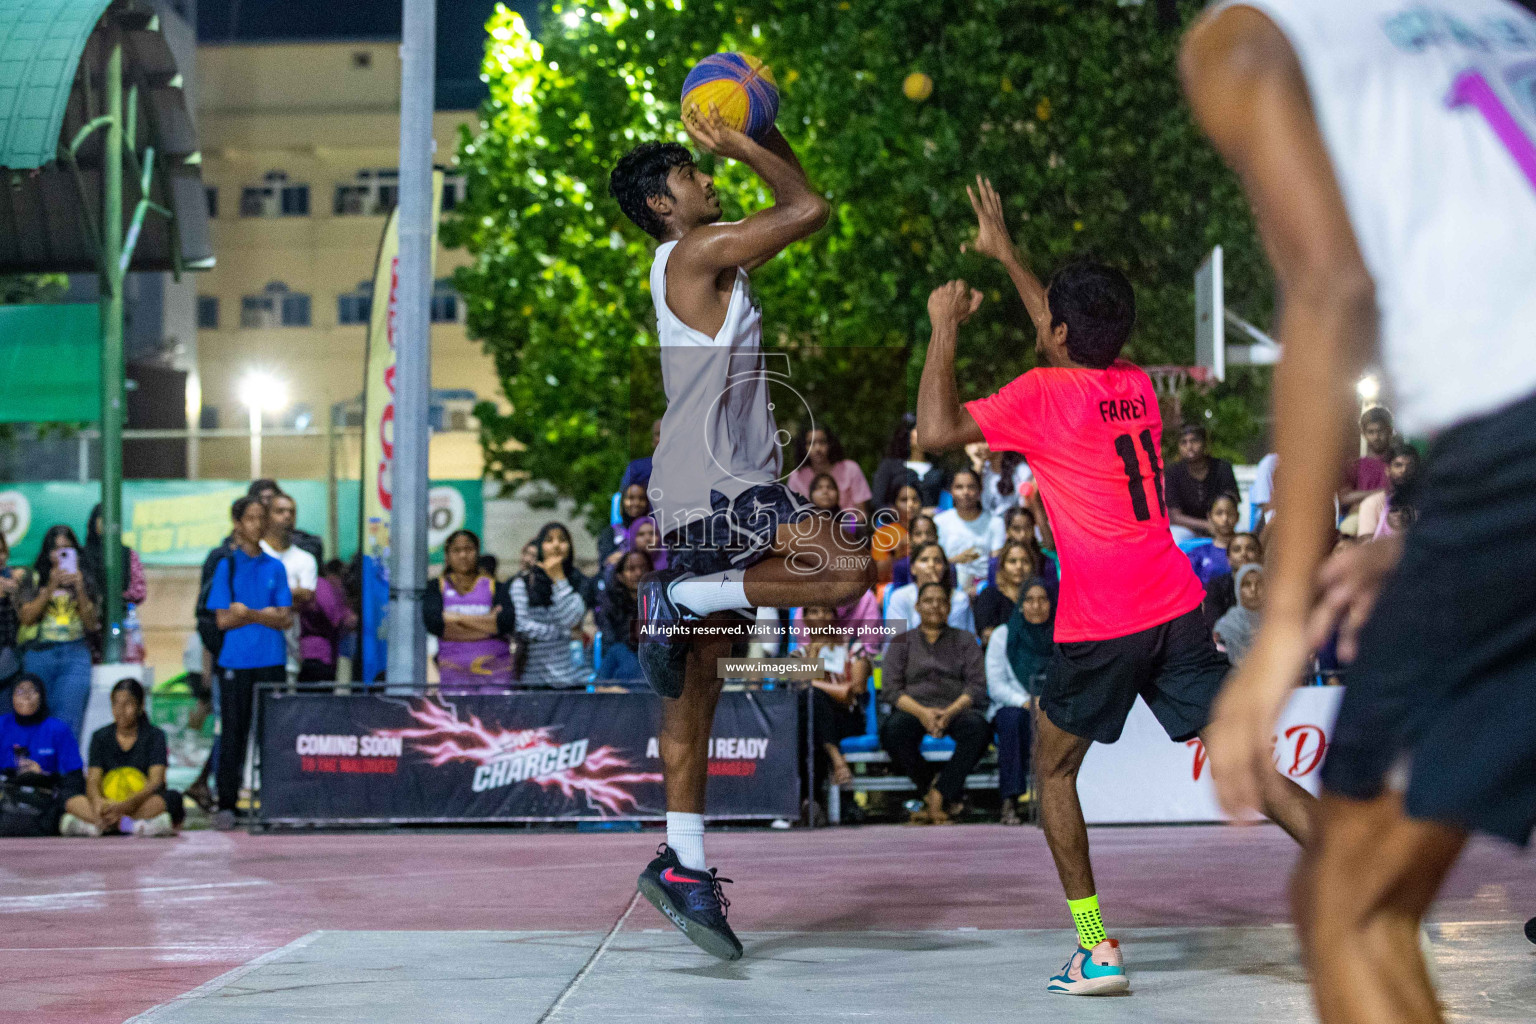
pixel 1072 109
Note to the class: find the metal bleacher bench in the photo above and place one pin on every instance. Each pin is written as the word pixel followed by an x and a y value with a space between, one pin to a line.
pixel 865 750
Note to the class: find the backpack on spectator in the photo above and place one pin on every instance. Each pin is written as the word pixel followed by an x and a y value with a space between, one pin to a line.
pixel 207 620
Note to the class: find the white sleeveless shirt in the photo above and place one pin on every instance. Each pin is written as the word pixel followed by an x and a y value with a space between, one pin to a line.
pixel 718 433
pixel 1428 111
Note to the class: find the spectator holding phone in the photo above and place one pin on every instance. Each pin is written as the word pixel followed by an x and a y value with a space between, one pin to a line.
pixel 252 606
pixel 58 613
pixel 33 742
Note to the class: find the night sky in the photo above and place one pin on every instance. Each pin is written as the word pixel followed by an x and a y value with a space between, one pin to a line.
pixel 460 31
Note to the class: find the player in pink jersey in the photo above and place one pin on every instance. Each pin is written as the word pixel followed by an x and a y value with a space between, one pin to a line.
pixel 1128 621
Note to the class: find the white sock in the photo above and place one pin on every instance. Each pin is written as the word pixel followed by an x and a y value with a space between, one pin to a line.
pixel 717 592
pixel 685 834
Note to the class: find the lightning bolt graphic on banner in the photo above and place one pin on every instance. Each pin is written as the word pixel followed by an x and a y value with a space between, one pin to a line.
pixel 603 777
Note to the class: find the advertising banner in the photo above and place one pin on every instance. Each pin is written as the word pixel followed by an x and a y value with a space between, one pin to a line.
pixel 1144 778
pixel 177 522
pixel 379 433
pixel 530 756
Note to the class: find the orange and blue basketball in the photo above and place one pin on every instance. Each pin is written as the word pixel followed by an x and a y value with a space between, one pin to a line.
pixel 740 85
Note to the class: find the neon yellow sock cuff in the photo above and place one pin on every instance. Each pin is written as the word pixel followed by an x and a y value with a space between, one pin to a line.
pixel 1090 924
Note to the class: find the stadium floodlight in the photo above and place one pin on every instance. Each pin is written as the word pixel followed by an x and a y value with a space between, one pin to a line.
pixel 1212 318
pixel 261 392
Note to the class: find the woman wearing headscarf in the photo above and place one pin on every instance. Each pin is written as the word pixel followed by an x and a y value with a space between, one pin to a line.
pixel 1236 629
pixel 618 617
pixel 644 535
pixel 634 502
pixel 33 742
pixel 550 601
pixel 1017 655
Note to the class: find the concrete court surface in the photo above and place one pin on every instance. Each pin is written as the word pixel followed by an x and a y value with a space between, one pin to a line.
pixel 859 924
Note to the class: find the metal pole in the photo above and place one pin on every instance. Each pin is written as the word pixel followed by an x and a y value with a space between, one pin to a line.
pixel 407 653
pixel 255 442
pixel 112 345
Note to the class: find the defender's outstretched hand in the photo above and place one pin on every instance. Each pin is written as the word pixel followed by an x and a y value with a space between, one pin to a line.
pixel 952 304
pixel 710 131
pixel 992 232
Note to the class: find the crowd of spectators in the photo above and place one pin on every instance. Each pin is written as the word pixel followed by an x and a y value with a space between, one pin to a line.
pixel 967 571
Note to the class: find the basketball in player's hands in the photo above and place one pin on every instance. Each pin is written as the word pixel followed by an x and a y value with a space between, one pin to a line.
pixel 740 85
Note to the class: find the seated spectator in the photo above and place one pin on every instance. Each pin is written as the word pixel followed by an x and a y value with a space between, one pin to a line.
pixel 135 588
pixel 920 530
pixel 994 605
pixel 639 470
pixel 967 533
pixel 528 557
pixel 1002 476
pixel 819 451
pixel 1210 560
pixel 1402 468
pixel 837 701
pixel 1221 590
pixel 644 535
pixel 894 523
pixel 33 742
pixel 1016 660
pixel 1019 528
pixel 1368 473
pixel 859 621
pixel 125 779
pixel 935 683
pixel 58 611
pixel 13 580
pixel 1236 630
pixel 471 615
pixel 634 502
pixel 906 461
pixel 929 566
pixel 1193 482
pixel 618 618
pixel 1400 516
pixel 549 605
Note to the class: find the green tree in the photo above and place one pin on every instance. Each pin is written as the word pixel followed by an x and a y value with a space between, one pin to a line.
pixel 1072 109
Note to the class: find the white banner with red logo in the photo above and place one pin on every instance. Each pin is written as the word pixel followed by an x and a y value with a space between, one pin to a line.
pixel 1145 778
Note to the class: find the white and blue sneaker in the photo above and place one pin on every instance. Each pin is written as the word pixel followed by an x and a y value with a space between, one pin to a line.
pixel 1096 972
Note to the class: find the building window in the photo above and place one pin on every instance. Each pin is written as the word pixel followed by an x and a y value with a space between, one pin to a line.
pixel 208 312
pixel 447 307
pixel 372 192
pixel 274 197
pixel 454 187
pixel 355 307
pixel 276 306
pixel 213 201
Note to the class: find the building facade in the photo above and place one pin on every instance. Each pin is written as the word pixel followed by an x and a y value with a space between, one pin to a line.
pixel 300 143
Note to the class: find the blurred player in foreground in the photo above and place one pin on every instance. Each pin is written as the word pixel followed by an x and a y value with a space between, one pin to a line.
pixel 1387 150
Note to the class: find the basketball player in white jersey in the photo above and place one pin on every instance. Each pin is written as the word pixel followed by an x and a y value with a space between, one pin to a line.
pixel 1386 147
pixel 736 537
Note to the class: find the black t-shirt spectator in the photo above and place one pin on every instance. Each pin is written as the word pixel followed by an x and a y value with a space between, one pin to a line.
pixel 147 751
pixel 1195 497
pixel 991 609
